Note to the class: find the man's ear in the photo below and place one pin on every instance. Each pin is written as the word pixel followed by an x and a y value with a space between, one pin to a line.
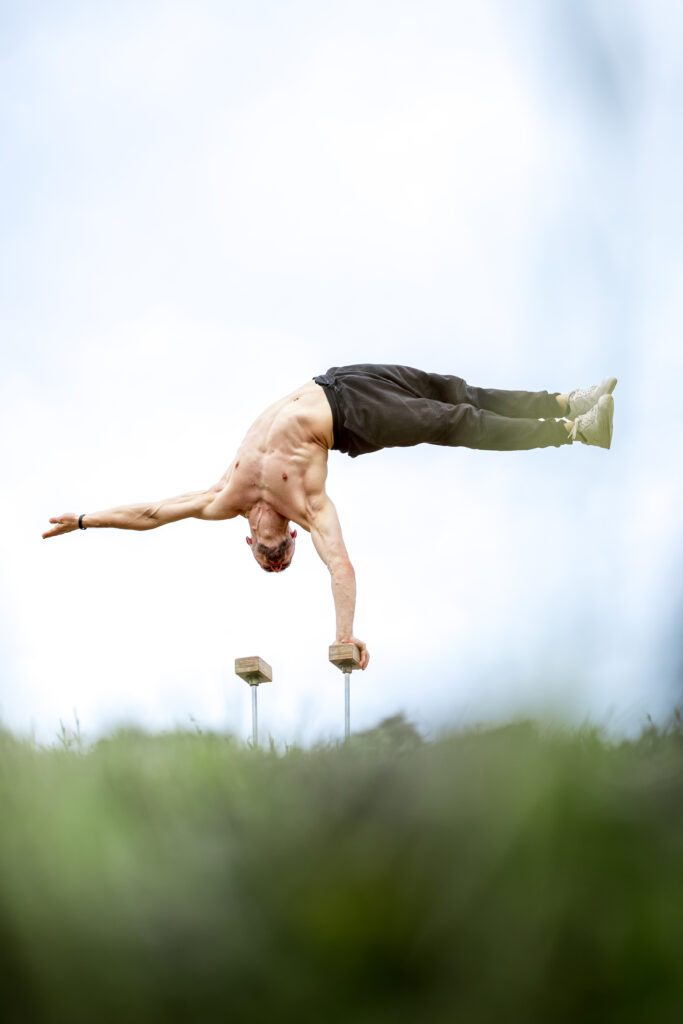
pixel 249 541
pixel 292 534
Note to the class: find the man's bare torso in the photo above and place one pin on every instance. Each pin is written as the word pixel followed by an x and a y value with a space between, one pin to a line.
pixel 283 458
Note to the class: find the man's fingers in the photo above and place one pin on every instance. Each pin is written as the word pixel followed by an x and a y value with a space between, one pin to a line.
pixel 364 656
pixel 60 524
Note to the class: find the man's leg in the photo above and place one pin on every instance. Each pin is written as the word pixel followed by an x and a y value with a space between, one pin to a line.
pixel 470 427
pixel 427 421
pixel 526 404
pixel 515 404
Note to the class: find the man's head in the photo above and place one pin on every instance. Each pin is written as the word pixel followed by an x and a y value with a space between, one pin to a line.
pixel 271 541
pixel 276 556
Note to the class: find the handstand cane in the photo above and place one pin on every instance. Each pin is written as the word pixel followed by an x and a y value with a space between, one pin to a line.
pixel 254 671
pixel 347 658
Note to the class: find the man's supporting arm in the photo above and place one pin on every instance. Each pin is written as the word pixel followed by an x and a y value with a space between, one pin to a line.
pixel 146 516
pixel 329 543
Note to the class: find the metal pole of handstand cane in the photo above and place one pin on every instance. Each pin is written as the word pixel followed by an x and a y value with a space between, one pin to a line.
pixel 254 715
pixel 254 671
pixel 347 658
pixel 347 705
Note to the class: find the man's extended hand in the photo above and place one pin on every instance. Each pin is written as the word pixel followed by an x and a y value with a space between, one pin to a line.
pixel 364 653
pixel 63 524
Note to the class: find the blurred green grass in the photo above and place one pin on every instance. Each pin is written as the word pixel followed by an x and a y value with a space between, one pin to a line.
pixel 523 873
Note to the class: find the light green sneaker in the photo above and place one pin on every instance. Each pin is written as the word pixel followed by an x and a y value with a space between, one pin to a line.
pixel 583 399
pixel 595 426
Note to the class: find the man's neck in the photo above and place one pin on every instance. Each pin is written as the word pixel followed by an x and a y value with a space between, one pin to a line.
pixel 267 526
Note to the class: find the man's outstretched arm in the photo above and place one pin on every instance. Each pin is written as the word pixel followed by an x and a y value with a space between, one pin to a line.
pixel 147 516
pixel 329 543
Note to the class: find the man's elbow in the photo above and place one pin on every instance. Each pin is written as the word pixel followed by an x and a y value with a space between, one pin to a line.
pixel 341 568
pixel 146 519
pixel 212 504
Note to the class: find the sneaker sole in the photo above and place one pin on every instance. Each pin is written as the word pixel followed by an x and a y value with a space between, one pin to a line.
pixel 607 402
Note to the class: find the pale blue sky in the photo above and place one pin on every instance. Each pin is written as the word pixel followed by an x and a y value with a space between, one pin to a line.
pixel 206 204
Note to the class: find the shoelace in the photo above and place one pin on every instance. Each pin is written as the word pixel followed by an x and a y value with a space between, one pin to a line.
pixel 588 420
pixel 578 393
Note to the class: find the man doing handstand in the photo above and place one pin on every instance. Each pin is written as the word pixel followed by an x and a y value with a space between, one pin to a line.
pixel 278 474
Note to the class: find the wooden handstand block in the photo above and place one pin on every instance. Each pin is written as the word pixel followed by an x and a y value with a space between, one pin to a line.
pixel 253 670
pixel 345 656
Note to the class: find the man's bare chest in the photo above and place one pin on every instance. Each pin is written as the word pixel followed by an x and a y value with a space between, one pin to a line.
pixel 283 456
pixel 274 477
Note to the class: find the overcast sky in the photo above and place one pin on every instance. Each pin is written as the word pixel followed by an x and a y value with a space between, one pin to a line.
pixel 204 205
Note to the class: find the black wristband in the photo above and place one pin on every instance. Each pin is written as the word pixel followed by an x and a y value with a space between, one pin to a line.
pixel 80 523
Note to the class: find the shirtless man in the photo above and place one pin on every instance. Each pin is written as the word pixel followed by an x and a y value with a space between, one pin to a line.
pixel 278 474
